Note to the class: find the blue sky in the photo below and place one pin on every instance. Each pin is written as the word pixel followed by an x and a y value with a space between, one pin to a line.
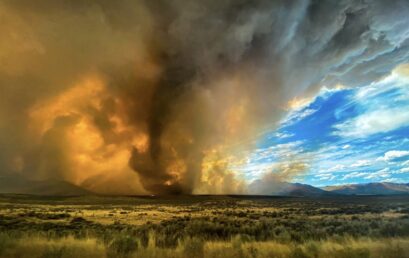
pixel 342 136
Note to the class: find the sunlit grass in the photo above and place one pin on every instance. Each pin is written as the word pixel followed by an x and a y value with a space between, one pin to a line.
pixel 42 247
pixel 34 246
pixel 204 227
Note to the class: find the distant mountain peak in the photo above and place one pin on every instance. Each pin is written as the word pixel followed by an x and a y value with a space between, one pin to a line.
pixel 374 188
pixel 299 189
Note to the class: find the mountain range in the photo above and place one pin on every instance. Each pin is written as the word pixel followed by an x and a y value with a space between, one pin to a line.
pixel 20 185
pixel 297 189
pixel 382 188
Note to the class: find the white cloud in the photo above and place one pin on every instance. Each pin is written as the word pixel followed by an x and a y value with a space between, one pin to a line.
pixel 354 175
pixel 403 170
pixel 335 168
pixel 296 116
pixel 377 121
pixel 382 113
pixel 392 155
pixel 327 176
pixel 283 135
pixel 393 180
pixel 279 151
pixel 365 91
pixel 361 163
pixel 384 173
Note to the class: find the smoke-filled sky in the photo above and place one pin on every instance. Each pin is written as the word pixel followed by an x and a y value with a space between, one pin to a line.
pixel 174 96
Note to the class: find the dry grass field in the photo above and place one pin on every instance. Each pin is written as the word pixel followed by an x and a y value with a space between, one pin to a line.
pixel 204 226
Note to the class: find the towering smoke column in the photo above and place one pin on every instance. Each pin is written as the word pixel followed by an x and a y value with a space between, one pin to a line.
pixel 161 96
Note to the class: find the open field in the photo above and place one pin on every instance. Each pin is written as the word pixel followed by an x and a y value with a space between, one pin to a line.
pixel 204 226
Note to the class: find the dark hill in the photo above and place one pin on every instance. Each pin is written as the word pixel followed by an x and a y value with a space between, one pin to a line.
pixel 19 185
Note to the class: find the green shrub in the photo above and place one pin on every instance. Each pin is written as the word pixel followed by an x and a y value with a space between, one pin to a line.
pixel 6 242
pixel 193 247
pixel 298 252
pixel 349 252
pixel 54 252
pixel 122 246
pixel 312 249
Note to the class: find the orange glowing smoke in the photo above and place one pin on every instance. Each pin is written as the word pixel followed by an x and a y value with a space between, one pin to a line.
pixel 92 162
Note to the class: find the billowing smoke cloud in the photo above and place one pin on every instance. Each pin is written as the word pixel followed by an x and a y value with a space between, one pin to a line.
pixel 276 181
pixel 160 96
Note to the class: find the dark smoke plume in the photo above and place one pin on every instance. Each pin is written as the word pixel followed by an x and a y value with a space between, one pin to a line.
pixel 173 89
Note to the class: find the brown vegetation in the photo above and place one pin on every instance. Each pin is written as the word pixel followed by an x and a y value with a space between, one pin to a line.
pixel 204 226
